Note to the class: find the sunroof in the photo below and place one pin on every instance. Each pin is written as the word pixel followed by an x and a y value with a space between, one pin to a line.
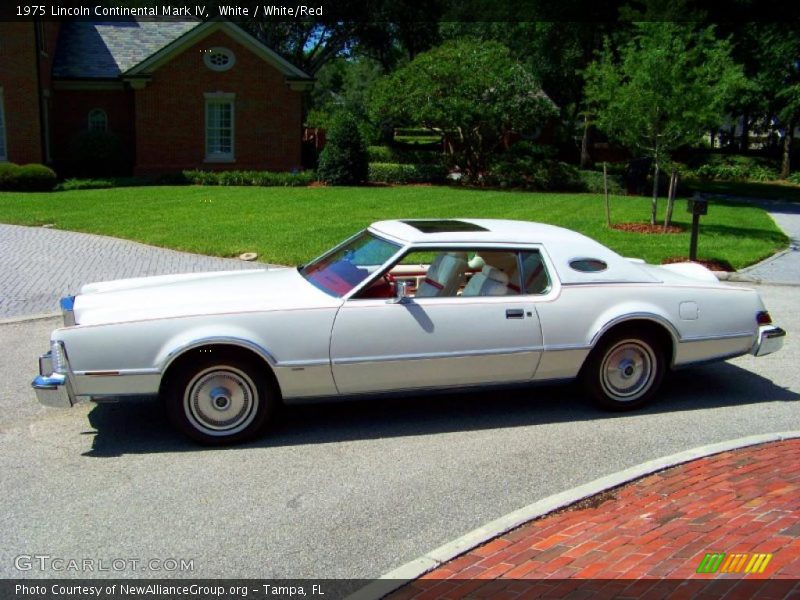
pixel 444 226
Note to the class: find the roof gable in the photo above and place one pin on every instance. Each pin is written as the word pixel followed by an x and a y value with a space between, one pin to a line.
pixel 105 50
pixel 132 48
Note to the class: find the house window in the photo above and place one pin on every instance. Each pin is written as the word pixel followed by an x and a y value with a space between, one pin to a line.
pixel 219 127
pixel 219 59
pixel 98 120
pixel 3 149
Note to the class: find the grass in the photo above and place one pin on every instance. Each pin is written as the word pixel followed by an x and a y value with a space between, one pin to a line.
pixel 748 189
pixel 292 225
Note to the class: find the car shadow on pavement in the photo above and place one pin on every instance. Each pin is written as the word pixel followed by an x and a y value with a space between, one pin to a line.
pixel 142 427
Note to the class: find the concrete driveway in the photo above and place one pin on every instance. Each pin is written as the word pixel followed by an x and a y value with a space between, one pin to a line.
pixel 342 490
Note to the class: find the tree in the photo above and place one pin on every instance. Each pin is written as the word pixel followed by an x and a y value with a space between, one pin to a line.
pixel 668 85
pixel 474 91
pixel 343 160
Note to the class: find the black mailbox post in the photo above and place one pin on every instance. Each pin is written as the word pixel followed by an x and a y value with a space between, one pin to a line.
pixel 697 206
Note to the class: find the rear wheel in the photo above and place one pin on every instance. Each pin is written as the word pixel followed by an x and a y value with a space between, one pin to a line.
pixel 625 370
pixel 217 400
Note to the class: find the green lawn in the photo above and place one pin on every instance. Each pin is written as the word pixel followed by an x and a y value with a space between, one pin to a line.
pixel 292 225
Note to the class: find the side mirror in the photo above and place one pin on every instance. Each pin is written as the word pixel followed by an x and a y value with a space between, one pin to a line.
pixel 400 292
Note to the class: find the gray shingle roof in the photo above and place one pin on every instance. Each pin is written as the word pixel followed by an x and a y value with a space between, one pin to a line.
pixel 101 50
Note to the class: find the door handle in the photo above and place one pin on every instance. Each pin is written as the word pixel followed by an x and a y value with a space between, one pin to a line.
pixel 515 313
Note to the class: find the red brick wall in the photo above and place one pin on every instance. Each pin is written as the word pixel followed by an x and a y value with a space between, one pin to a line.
pixel 20 91
pixel 170 113
pixel 69 116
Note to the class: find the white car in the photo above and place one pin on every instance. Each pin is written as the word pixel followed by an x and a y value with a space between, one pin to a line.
pixel 405 305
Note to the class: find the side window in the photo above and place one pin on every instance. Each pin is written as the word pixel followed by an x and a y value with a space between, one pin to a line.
pixel 535 278
pixel 452 272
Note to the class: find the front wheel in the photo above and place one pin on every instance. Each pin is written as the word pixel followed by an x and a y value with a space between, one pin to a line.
pixel 218 401
pixel 624 371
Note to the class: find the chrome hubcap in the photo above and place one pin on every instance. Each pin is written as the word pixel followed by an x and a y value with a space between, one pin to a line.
pixel 221 400
pixel 628 370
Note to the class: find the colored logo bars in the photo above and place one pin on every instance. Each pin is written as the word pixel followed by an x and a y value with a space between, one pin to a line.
pixel 720 562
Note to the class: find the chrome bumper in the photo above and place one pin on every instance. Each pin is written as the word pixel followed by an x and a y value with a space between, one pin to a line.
pixel 52 389
pixel 770 339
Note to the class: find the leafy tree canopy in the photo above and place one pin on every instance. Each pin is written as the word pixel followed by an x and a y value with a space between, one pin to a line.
pixel 472 91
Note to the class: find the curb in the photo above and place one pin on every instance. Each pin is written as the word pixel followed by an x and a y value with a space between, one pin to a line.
pixel 398 577
pixel 23 318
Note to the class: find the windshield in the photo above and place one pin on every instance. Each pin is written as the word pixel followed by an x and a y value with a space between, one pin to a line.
pixel 347 266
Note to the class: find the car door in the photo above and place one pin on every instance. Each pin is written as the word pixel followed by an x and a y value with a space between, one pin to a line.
pixel 432 342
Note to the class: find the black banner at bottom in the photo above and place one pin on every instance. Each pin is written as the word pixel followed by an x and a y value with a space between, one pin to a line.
pixel 364 589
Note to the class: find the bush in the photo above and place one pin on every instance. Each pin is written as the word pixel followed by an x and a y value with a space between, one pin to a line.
pixel 793 178
pixel 403 173
pixel 389 154
pixel 27 178
pixel 343 160
pixel 592 182
pixel 732 167
pixel 253 178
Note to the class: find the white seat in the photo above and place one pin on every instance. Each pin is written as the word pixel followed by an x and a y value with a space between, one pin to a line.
pixel 489 282
pixel 444 276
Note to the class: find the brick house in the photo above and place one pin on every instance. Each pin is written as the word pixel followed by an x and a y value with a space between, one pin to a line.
pixel 173 94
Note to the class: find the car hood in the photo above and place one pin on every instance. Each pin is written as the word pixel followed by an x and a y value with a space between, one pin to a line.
pixel 195 294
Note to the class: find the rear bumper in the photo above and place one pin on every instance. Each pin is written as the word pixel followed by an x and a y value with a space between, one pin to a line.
pixel 52 389
pixel 770 339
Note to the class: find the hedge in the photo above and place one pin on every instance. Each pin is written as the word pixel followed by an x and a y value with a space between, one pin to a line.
pixel 389 154
pixel 254 178
pixel 26 178
pixel 404 173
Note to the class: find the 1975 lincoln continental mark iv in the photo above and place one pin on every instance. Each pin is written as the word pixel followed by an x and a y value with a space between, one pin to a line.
pixel 408 305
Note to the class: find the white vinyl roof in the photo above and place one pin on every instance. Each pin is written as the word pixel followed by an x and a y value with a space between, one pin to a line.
pixel 562 245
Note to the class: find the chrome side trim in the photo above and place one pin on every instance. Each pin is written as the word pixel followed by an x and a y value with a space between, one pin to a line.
pixel 242 343
pixel 433 355
pixel 117 373
pixel 303 363
pixel 721 336
pixel 566 347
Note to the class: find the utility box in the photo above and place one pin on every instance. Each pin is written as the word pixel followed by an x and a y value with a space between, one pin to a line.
pixel 697 206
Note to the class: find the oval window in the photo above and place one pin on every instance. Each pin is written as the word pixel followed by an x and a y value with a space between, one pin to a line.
pixel 588 265
pixel 219 59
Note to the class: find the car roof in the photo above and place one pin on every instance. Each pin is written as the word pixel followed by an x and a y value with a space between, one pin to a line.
pixel 563 245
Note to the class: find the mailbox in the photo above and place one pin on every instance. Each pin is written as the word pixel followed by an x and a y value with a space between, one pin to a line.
pixel 697 206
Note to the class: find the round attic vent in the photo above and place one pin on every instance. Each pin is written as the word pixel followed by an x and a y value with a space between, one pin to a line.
pixel 219 59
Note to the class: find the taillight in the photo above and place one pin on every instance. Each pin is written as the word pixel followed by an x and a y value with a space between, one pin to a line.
pixel 763 318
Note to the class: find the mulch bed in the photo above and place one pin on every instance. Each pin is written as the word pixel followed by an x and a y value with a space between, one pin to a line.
pixel 647 228
pixel 714 265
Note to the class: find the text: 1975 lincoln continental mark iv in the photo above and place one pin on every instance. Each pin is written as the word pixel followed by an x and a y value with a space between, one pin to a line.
pixel 402 306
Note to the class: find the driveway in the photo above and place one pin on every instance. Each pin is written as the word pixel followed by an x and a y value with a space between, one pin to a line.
pixel 342 490
pixel 39 265
pixel 784 267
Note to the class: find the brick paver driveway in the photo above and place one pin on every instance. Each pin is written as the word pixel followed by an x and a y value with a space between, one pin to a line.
pixel 38 266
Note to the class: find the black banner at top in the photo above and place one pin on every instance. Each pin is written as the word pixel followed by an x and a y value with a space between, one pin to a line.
pixel 402 10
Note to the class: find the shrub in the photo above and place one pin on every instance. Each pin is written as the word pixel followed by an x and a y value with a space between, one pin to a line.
pixel 404 173
pixel 732 167
pixel 793 178
pixel 592 182
pixel 391 154
pixel 27 178
pixel 253 178
pixel 343 160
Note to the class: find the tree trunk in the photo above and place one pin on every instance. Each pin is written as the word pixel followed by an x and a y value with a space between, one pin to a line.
pixel 654 209
pixel 673 188
pixel 744 139
pixel 586 158
pixel 788 138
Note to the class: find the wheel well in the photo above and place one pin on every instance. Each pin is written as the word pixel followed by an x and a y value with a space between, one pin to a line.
pixel 635 326
pixel 228 351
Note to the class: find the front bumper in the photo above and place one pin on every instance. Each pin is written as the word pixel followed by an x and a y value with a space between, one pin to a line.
pixel 770 339
pixel 52 389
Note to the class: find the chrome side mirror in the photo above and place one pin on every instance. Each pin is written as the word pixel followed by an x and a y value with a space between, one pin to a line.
pixel 400 292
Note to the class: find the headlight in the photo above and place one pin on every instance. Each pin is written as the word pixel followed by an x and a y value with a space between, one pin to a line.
pixel 58 357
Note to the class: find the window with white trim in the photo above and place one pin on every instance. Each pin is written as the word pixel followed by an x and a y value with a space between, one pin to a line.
pixel 219 127
pixel 3 149
pixel 98 120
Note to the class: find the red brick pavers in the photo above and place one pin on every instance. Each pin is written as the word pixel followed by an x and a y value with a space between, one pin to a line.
pixel 659 527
